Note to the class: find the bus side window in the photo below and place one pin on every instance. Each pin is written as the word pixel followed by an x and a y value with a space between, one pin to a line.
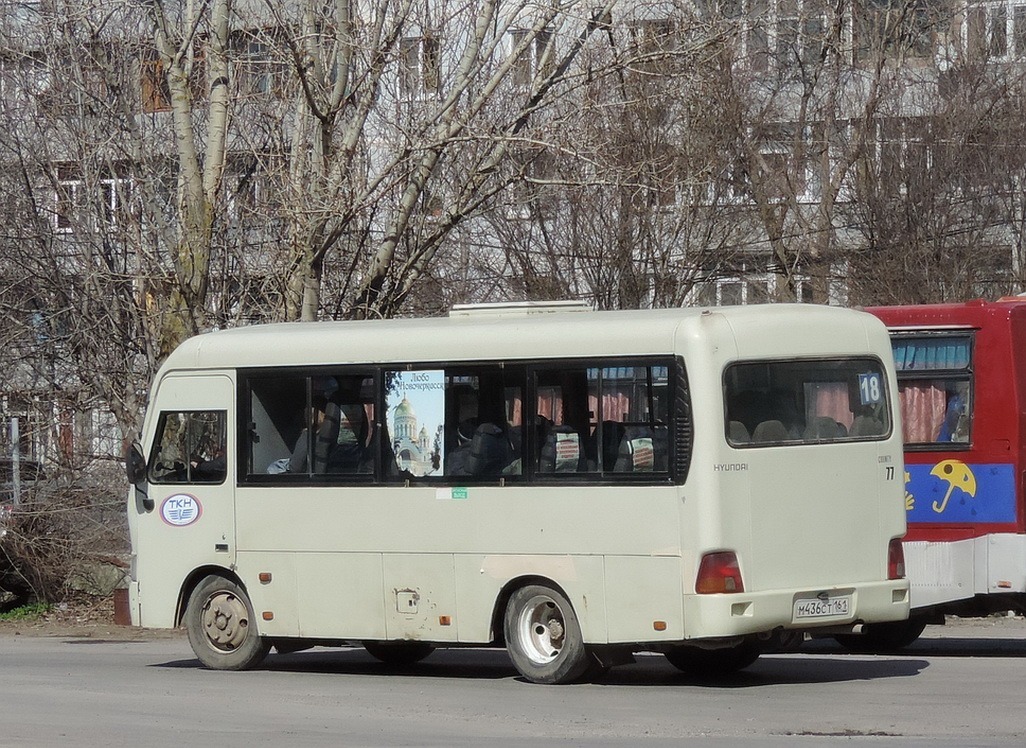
pixel 563 416
pixel 483 433
pixel 934 410
pixel 349 450
pixel 279 423
pixel 191 448
pixel 603 420
pixel 935 387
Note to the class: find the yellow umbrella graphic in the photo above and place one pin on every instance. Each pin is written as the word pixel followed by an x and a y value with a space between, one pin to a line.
pixel 956 474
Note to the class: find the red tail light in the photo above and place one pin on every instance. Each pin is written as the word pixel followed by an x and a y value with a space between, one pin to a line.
pixel 895 560
pixel 719 572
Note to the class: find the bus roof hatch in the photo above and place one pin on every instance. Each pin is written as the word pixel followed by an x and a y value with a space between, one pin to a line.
pixel 518 308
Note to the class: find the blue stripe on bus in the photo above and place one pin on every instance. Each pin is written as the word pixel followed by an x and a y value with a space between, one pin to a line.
pixel 988 496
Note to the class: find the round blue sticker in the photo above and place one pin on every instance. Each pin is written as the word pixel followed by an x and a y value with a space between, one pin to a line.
pixel 180 509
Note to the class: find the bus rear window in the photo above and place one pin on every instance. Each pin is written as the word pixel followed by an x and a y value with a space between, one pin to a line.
pixel 806 402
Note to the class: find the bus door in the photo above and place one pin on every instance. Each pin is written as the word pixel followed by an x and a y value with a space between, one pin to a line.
pixel 187 520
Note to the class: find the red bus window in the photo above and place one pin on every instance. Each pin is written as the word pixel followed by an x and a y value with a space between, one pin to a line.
pixel 934 377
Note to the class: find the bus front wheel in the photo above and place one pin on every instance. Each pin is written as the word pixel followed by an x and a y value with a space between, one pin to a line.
pixel 219 621
pixel 543 636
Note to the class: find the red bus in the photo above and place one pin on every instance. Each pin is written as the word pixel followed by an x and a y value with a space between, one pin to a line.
pixel 962 386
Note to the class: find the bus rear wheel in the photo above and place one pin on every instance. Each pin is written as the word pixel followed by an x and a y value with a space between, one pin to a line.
pixel 398 653
pixel 544 638
pixel 712 663
pixel 219 619
pixel 884 637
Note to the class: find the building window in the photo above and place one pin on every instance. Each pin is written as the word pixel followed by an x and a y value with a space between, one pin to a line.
pixel 537 55
pixel 260 71
pixel 904 153
pixel 154 88
pixel 23 11
pixel 419 71
pixel 653 40
pixel 250 182
pixel 96 202
pixel 757 288
pixel 779 34
pixel 101 434
pixel 784 161
pixel 996 30
pixel 68 197
pixel 156 94
pixel 792 161
pixel 893 28
pixel 780 176
pixel 537 168
pixel 32 432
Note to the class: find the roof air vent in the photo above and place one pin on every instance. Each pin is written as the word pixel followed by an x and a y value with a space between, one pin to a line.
pixel 518 308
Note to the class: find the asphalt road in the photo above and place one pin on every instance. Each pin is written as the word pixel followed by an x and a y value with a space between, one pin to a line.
pixel 961 684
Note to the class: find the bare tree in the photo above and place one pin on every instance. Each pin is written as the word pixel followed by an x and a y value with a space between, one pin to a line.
pixel 938 202
pixel 178 165
pixel 195 32
pixel 404 113
pixel 618 203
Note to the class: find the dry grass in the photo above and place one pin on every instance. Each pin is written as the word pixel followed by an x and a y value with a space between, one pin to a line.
pixel 81 615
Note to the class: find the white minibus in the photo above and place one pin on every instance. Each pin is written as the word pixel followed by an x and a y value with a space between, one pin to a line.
pixel 576 486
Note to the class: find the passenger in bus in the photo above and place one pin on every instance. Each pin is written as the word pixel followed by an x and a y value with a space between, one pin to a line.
pixel 456 459
pixel 824 428
pixel 770 431
pixel 953 427
pixel 489 451
pixel 346 453
pixel 210 470
pixel 317 417
pixel 297 461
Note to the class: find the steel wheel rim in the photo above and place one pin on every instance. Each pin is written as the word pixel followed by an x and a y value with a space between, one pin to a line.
pixel 225 619
pixel 541 629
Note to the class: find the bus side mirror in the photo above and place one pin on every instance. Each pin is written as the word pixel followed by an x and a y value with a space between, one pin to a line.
pixel 135 470
pixel 135 464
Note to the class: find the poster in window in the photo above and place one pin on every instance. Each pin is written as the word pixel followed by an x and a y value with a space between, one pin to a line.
pixel 416 415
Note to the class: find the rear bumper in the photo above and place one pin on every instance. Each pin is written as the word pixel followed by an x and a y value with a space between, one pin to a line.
pixel 763 612
pixel 946 572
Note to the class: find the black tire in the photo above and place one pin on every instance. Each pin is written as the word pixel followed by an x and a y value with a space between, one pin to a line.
pixel 713 663
pixel 398 653
pixel 219 620
pixel 883 637
pixel 543 636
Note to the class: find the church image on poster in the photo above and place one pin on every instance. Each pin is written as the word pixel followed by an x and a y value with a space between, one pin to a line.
pixel 416 407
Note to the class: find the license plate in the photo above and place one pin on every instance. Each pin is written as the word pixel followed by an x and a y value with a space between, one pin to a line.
pixel 838 606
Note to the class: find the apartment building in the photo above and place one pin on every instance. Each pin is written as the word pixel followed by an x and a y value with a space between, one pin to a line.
pixel 655 153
